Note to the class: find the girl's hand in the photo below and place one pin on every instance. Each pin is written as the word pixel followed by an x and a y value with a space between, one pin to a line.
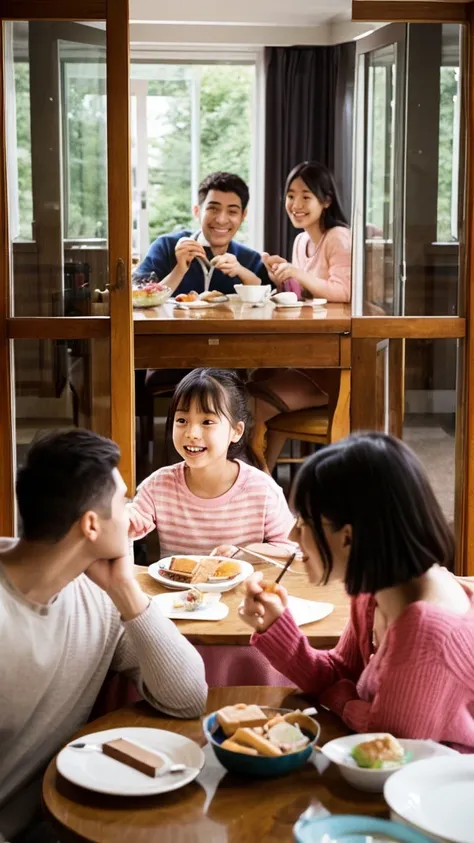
pixel 139 525
pixel 262 608
pixel 227 550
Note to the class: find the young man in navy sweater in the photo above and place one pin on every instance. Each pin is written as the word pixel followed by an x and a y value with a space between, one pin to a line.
pixel 182 260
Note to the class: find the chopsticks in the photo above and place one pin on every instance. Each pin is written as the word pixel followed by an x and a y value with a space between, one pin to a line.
pixel 267 558
pixel 285 568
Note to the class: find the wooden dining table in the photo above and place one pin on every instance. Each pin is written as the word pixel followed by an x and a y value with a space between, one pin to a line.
pixel 322 634
pixel 218 807
pixel 238 335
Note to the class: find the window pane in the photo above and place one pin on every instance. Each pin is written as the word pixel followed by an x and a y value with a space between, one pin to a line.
pixel 60 385
pixel 191 119
pixel 57 167
pixel 379 203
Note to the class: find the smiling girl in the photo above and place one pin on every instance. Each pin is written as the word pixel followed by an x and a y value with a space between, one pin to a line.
pixel 212 499
pixel 320 268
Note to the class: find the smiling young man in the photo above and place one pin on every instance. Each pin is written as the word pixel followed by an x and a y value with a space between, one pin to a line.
pixel 209 259
pixel 70 610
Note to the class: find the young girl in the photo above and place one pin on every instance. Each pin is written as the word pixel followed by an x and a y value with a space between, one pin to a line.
pixel 211 500
pixel 321 268
pixel 405 661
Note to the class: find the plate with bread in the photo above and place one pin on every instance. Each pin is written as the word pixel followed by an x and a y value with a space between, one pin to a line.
pixel 206 573
pixel 211 298
pixel 259 741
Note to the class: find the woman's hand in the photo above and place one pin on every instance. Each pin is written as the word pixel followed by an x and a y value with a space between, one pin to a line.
pixel 262 608
pixel 286 271
pixel 271 262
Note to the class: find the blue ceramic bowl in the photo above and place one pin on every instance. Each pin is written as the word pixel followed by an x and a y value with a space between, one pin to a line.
pixel 257 766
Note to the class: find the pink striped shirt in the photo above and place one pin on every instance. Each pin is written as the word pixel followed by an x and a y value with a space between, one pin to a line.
pixel 253 510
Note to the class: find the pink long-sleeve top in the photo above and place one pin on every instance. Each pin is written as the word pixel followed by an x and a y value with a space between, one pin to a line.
pixel 254 510
pixel 329 263
pixel 419 683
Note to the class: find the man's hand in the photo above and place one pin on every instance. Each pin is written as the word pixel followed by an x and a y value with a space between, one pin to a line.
pixel 186 250
pixel 228 264
pixel 262 608
pixel 115 576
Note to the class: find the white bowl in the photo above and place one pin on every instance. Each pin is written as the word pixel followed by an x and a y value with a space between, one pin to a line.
pixel 252 292
pixel 285 298
pixel 339 752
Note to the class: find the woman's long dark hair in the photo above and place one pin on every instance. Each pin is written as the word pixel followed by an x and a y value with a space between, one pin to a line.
pixel 219 391
pixel 320 181
pixel 377 485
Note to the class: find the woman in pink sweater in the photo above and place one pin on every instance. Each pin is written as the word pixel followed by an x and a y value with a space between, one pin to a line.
pixel 405 661
pixel 320 268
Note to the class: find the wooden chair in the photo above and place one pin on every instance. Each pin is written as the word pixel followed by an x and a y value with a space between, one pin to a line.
pixel 319 425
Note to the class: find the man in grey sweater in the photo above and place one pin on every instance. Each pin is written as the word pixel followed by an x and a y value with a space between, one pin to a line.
pixel 70 611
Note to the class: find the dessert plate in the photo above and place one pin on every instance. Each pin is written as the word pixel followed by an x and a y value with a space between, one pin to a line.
pixel 212 611
pixel 98 772
pixel 246 569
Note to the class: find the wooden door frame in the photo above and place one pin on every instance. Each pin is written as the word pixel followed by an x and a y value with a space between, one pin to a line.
pixel 119 326
pixel 368 331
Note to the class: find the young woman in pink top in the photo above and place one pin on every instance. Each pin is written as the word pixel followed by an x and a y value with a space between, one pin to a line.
pixel 405 661
pixel 320 268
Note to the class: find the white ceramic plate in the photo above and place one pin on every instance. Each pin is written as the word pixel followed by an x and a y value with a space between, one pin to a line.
pixel 308 303
pixel 218 587
pixel 436 796
pixel 98 772
pixel 307 611
pixel 196 305
pixel 213 611
pixel 339 752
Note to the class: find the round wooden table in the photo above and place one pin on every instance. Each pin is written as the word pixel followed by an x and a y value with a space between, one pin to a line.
pixel 218 807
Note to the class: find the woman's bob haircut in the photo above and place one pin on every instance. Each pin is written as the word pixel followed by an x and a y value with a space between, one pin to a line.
pixel 377 485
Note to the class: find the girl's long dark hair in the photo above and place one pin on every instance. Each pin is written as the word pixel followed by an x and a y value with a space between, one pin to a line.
pixel 320 181
pixel 376 484
pixel 219 391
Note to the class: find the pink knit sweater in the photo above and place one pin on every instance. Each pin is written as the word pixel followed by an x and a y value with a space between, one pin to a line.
pixel 419 684
pixel 254 510
pixel 329 263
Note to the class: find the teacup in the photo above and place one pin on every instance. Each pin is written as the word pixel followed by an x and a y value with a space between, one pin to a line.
pixel 252 293
pixel 285 298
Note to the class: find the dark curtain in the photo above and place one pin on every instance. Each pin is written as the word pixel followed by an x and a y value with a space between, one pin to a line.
pixel 309 93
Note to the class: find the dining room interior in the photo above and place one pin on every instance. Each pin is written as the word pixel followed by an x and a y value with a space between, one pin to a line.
pixel 113 113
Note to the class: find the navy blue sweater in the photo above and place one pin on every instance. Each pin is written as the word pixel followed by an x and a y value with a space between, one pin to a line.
pixel 161 260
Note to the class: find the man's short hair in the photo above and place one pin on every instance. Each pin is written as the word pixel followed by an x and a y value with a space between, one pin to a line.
pixel 227 183
pixel 64 476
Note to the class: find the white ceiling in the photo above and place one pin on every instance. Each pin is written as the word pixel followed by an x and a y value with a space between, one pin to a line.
pixel 292 13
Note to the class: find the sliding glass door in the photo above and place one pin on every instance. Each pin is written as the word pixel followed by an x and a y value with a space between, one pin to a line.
pixel 66 343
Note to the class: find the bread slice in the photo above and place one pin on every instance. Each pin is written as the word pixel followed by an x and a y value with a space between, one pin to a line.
pixel 249 738
pixel 232 746
pixel 232 717
pixel 183 565
pixel 205 569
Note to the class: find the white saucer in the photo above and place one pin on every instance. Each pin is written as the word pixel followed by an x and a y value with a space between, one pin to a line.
pixel 309 303
pixel 98 772
pixel 215 611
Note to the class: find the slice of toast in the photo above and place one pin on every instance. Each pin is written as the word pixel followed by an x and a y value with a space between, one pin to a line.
pixel 183 564
pixel 232 717
pixel 249 738
pixel 232 746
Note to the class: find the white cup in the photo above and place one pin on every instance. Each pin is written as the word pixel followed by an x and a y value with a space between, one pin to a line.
pixel 285 298
pixel 252 292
